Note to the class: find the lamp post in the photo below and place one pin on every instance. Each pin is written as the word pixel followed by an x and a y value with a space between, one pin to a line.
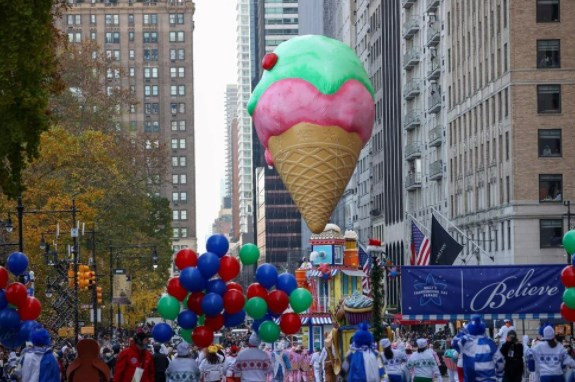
pixel 112 249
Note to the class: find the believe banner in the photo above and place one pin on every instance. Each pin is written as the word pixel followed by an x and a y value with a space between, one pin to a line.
pixel 460 291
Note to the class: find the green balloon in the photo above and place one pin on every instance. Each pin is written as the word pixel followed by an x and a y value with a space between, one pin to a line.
pixel 201 320
pixel 256 308
pixel 249 254
pixel 569 297
pixel 569 242
pixel 269 331
pixel 300 300
pixel 186 334
pixel 168 307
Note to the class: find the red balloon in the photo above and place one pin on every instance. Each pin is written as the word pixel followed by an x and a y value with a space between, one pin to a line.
pixel 234 301
pixel 176 290
pixel 567 313
pixel 278 301
pixel 31 309
pixel 195 302
pixel 256 290
pixel 16 294
pixel 290 323
pixel 568 276
pixel 186 258
pixel 3 277
pixel 232 285
pixel 202 336
pixel 215 323
pixel 229 267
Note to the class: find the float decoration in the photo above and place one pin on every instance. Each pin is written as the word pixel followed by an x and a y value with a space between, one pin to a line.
pixel 567 308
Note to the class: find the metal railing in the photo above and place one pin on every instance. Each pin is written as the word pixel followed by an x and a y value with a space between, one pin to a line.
pixel 413 180
pixel 412 150
pixel 436 169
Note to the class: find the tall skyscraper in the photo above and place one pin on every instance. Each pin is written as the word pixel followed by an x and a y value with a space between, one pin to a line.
pixel 230 186
pixel 153 41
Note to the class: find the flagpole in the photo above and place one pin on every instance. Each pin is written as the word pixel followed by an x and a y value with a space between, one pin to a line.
pixel 420 224
pixel 481 250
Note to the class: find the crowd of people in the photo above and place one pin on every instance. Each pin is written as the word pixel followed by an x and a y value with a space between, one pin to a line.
pixel 471 356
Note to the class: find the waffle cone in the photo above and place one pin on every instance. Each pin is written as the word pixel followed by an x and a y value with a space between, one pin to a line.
pixel 315 163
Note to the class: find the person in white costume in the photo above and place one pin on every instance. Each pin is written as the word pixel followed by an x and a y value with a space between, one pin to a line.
pixel 253 364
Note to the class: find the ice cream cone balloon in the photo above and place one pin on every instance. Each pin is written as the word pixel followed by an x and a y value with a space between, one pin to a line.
pixel 313 111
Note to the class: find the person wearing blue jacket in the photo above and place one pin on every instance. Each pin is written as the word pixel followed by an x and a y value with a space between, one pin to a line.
pixel 38 362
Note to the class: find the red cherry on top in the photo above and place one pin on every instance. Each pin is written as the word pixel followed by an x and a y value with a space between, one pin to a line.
pixel 269 61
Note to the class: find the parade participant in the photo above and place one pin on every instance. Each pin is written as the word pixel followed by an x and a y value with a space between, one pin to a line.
pixel 212 367
pixel 423 364
pixel 293 357
pixel 363 362
pixel 281 363
pixel 304 365
pixel 161 363
pixel 392 359
pixel 481 359
pixel 550 357
pixel 316 364
pixel 135 361
pixel 450 360
pixel 252 363
pixel 502 334
pixel 512 351
pixel 230 363
pixel 38 362
pixel 183 367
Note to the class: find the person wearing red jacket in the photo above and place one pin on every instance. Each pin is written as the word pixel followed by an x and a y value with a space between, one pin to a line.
pixel 134 358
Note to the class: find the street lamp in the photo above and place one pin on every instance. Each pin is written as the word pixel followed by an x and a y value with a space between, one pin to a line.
pixel 42 243
pixel 155 259
pixel 8 224
pixel 49 290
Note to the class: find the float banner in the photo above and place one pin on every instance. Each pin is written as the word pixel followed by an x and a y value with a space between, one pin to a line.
pixel 457 292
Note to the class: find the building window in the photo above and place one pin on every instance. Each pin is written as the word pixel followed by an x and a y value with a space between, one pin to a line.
pixel 150 19
pixel 183 232
pixel 151 108
pixel 550 143
pixel 175 215
pixel 174 143
pixel 176 232
pixel 182 143
pixel 175 179
pixel 152 126
pixel 547 11
pixel 75 37
pixel 151 72
pixel 131 54
pixel 183 196
pixel 93 19
pixel 549 98
pixel 150 37
pixel 182 161
pixel 175 162
pixel 112 37
pixel 176 36
pixel 150 54
pixel 132 108
pixel 182 126
pixel 178 90
pixel 550 233
pixel 550 188
pixel 131 36
pixel 133 125
pixel 183 214
pixel 112 20
pixel 76 19
pixel 175 196
pixel 548 54
pixel 130 19
pixel 176 18
pixel 183 179
pixel 132 71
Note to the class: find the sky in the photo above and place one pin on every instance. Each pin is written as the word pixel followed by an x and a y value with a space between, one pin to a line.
pixel 214 68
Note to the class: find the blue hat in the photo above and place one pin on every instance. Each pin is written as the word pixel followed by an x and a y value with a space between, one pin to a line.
pixel 476 326
pixel 362 337
pixel 40 337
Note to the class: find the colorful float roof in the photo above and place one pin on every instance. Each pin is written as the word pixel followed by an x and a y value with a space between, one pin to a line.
pixel 331 235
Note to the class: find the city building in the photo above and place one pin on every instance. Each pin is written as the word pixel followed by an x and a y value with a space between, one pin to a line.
pixel 509 72
pixel 153 41
pixel 231 174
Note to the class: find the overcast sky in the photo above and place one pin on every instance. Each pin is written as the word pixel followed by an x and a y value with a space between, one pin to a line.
pixel 214 68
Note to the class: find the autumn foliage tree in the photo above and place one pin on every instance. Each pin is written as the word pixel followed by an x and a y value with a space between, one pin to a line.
pixel 112 172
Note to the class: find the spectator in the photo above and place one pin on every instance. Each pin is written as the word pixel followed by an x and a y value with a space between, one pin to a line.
pixel 212 367
pixel 183 368
pixel 135 361
pixel 161 363
pixel 512 351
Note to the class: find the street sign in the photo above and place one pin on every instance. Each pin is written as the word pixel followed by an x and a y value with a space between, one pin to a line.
pixel 81 323
pixel 85 306
pixel 119 271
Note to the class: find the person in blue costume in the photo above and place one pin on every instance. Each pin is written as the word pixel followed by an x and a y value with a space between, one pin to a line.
pixel 38 362
pixel 363 361
pixel 482 361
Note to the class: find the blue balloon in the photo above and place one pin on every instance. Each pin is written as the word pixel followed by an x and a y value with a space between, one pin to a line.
pixel 256 324
pixel 9 320
pixel 3 301
pixel 218 244
pixel 28 327
pixel 236 319
pixel 217 286
pixel 287 283
pixel 187 319
pixel 13 340
pixel 212 304
pixel 17 263
pixel 191 278
pixel 209 264
pixel 267 275
pixel 162 332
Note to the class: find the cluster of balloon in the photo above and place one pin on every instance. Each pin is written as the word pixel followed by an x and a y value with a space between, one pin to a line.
pixel 325 271
pixel 568 279
pixel 265 305
pixel 18 311
pixel 204 299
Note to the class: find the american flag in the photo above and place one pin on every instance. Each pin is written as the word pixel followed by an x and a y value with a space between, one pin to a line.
pixel 420 247
pixel 365 262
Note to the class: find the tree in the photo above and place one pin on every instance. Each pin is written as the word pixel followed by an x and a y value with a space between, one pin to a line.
pixel 28 76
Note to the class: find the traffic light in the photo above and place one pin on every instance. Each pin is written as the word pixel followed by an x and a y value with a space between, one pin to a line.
pixel 91 279
pixel 83 276
pixel 99 294
pixel 71 276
